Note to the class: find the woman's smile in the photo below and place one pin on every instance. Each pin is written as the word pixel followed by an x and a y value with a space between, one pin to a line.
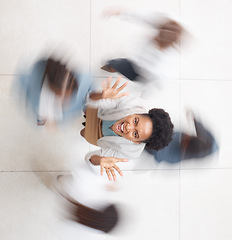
pixel 120 127
pixel 134 127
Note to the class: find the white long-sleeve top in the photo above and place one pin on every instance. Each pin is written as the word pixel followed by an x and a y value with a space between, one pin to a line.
pixel 115 109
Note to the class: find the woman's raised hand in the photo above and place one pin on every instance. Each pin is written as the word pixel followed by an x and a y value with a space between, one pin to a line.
pixel 109 164
pixel 113 92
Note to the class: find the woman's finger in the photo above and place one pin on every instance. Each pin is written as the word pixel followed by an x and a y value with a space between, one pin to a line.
pixel 104 84
pixel 102 170
pixel 113 174
pixel 122 94
pixel 122 87
pixel 108 81
pixel 116 83
pixel 108 174
pixel 118 170
pixel 121 160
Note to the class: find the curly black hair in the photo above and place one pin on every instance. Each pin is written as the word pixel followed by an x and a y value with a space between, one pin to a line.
pixel 162 129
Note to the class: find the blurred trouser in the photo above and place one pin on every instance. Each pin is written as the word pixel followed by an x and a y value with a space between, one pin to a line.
pixel 124 66
pixel 200 146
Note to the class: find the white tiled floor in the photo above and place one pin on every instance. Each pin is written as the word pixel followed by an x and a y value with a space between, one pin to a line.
pixel 190 200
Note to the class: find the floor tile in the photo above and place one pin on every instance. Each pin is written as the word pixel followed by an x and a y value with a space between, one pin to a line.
pixel 209 56
pixel 32 29
pixel 28 208
pixel 205 204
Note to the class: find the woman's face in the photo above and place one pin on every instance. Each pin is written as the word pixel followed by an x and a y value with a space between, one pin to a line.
pixel 136 127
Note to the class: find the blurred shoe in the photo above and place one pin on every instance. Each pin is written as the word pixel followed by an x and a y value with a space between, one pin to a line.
pixel 107 68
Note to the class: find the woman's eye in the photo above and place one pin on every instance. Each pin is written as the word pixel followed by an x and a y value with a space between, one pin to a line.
pixel 135 120
pixel 135 135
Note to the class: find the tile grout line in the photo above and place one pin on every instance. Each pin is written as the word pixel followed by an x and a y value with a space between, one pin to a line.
pixel 179 201
pixel 171 79
pixel 179 169
pixel 65 171
pixel 90 34
pixel 181 79
pixel 134 170
pixel 180 122
pixel 126 170
pixel 90 37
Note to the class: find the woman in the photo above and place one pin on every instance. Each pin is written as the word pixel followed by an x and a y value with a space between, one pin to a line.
pixel 121 126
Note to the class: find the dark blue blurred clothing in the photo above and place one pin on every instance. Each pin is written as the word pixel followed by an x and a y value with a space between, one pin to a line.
pixel 200 146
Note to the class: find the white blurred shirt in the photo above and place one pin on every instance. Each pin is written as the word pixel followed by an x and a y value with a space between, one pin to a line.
pixel 50 105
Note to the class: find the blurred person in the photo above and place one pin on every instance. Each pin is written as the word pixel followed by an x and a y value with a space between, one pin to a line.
pixel 145 66
pixel 54 92
pixel 104 219
pixel 121 126
pixel 184 146
pixel 86 201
